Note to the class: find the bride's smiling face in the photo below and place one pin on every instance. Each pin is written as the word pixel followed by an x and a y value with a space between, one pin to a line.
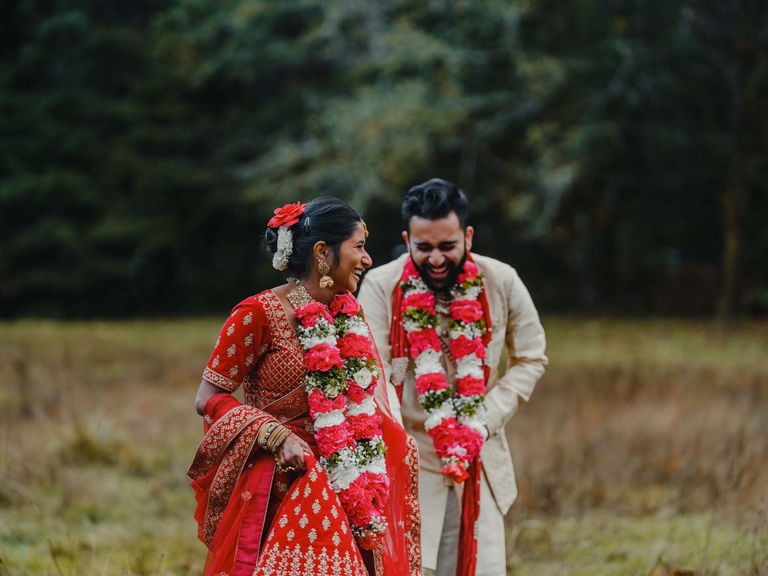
pixel 352 262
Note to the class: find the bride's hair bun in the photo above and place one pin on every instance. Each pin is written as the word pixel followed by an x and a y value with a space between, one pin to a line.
pixel 325 219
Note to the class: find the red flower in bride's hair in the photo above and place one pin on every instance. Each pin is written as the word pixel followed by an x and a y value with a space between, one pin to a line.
pixel 288 215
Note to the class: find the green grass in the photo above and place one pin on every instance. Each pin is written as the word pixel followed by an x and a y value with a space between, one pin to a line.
pixel 605 544
pixel 642 450
pixel 673 344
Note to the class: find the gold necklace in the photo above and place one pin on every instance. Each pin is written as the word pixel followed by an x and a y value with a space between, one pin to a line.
pixel 299 295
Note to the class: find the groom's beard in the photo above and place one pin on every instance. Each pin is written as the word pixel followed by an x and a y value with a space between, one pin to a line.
pixel 440 284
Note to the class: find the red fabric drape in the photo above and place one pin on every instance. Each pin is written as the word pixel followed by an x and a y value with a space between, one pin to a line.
pixel 233 538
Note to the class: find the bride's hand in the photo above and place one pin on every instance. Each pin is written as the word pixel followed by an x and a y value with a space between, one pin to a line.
pixel 290 454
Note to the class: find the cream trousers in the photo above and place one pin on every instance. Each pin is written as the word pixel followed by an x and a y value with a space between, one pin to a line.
pixel 441 514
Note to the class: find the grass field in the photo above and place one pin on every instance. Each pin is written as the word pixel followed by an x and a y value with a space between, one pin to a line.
pixel 642 452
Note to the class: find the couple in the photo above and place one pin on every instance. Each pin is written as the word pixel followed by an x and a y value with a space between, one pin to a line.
pixel 318 472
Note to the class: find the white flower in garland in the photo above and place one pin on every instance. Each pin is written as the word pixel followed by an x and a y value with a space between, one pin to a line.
pixel 367 406
pixel 363 377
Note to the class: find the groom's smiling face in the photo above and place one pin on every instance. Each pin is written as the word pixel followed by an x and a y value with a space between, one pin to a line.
pixel 439 249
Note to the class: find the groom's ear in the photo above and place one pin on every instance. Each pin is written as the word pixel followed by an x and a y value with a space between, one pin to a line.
pixel 469 233
pixel 407 240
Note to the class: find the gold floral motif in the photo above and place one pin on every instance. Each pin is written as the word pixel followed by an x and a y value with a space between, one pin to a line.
pixel 299 560
pixel 220 380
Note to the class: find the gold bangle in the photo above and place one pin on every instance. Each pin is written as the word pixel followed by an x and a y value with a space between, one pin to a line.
pixel 264 433
pixel 277 437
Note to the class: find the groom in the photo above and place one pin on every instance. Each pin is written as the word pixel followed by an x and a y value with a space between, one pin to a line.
pixel 463 347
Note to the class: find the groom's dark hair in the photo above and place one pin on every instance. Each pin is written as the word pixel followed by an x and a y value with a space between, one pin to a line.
pixel 434 199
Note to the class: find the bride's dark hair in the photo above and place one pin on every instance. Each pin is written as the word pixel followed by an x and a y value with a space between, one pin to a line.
pixel 326 218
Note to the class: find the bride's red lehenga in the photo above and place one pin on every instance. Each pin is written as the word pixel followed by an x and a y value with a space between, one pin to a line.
pixel 256 520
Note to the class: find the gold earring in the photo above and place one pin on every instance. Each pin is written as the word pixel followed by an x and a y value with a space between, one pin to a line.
pixel 325 280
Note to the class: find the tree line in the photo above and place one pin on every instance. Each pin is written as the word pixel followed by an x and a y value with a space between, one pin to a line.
pixel 614 151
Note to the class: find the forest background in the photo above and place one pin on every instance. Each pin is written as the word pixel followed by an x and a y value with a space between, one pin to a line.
pixel 616 148
pixel 614 151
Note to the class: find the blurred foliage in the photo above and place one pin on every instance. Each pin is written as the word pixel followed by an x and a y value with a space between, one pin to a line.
pixel 618 148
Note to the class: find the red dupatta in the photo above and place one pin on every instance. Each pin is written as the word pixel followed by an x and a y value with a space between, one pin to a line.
pixel 219 472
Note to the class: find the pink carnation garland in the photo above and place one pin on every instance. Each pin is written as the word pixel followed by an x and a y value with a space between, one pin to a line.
pixel 341 381
pixel 455 416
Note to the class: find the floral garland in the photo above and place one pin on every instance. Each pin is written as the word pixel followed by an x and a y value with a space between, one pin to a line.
pixel 340 382
pixel 455 416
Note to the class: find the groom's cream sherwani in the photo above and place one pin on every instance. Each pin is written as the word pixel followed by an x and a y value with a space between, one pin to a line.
pixel 516 359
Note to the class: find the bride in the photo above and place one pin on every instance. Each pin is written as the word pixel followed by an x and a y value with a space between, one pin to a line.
pixel 312 474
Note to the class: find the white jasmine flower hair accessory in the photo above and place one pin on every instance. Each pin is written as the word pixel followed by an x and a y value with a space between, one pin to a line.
pixel 284 248
pixel 283 219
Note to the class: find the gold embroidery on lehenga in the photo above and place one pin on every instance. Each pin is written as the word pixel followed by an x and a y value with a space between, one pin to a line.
pixel 276 381
pixel 243 424
pixel 299 560
pixel 225 479
pixel 218 379
pixel 413 516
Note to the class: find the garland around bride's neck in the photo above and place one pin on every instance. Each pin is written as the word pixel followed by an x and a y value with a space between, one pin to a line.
pixel 340 382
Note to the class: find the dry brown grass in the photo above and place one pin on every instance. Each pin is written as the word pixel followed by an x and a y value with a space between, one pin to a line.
pixel 96 431
pixel 656 424
pixel 642 450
